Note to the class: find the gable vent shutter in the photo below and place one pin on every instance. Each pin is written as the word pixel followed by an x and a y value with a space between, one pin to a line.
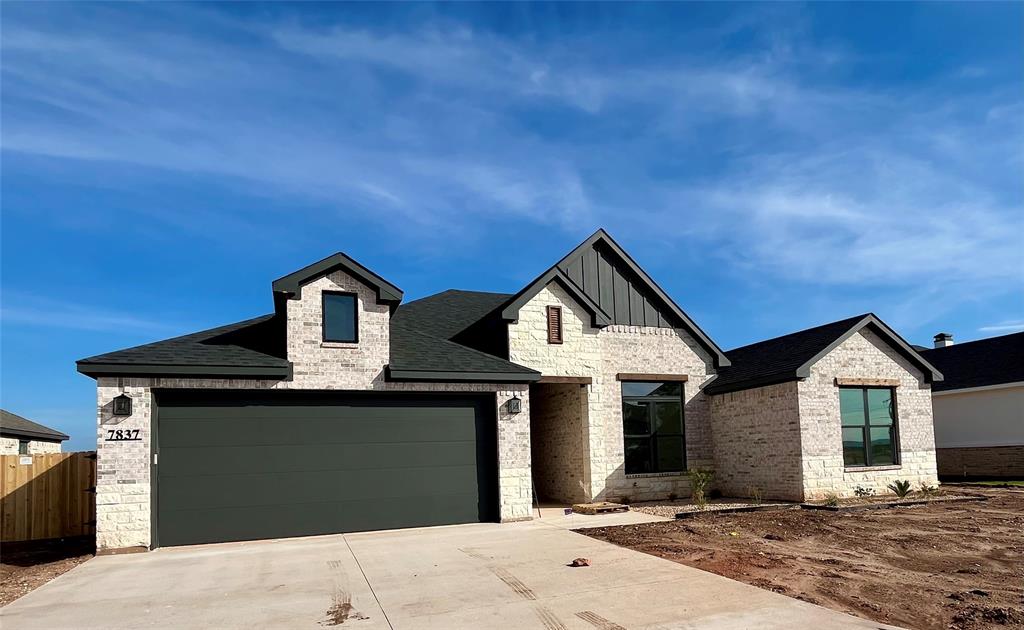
pixel 554 324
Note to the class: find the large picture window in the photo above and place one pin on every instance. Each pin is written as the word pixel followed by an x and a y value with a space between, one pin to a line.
pixel 869 426
pixel 652 425
pixel 341 322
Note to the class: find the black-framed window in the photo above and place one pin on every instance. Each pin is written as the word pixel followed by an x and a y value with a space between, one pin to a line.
pixel 652 427
pixel 341 317
pixel 22 447
pixel 869 425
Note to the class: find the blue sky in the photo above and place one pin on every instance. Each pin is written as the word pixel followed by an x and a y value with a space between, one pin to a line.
pixel 773 166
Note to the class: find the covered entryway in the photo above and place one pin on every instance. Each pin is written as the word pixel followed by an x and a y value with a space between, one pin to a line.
pixel 246 465
pixel 559 442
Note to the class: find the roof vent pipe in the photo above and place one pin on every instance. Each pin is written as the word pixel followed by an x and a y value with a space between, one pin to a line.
pixel 943 339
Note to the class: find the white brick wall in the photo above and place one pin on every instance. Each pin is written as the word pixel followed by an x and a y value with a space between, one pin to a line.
pixel 757 442
pixel 601 355
pixel 9 446
pixel 319 364
pixel 864 355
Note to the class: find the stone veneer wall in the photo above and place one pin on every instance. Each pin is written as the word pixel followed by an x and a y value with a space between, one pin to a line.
pixel 9 446
pixel 601 355
pixel 1006 462
pixel 559 442
pixel 757 442
pixel 123 491
pixel 864 355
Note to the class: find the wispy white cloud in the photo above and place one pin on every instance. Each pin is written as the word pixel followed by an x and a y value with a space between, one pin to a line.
pixel 1009 326
pixel 758 159
pixel 41 311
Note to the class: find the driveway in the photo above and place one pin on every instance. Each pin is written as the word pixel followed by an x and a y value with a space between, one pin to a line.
pixel 465 576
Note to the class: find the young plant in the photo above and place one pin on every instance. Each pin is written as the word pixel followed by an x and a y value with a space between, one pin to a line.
pixel 863 492
pixel 901 487
pixel 831 499
pixel 928 490
pixel 755 495
pixel 700 479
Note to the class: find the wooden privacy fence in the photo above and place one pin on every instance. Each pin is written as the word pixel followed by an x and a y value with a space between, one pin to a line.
pixel 47 496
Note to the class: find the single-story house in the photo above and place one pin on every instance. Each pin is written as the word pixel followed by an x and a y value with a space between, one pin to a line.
pixel 21 436
pixel 348 409
pixel 979 407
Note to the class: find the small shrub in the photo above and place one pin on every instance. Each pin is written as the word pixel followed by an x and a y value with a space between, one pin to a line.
pixel 672 496
pixel 831 499
pixel 901 487
pixel 755 495
pixel 700 479
pixel 624 499
pixel 927 490
pixel 863 492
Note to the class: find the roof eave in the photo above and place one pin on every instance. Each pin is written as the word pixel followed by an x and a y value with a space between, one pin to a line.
pixel 752 383
pixel 35 435
pixel 432 376
pixel 96 370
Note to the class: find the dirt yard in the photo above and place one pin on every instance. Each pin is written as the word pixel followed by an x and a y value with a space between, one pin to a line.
pixel 25 566
pixel 945 565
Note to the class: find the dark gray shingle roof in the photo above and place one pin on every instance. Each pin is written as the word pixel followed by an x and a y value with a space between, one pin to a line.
pixel 423 344
pixel 249 347
pixel 992 361
pixel 787 358
pixel 424 334
pixel 11 424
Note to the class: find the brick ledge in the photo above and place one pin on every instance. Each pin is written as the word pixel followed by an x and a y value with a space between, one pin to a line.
pixel 853 469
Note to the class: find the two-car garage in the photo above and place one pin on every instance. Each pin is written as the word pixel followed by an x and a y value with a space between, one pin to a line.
pixel 245 465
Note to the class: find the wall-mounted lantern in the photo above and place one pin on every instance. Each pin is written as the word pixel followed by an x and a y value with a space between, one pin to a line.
pixel 514 405
pixel 123 405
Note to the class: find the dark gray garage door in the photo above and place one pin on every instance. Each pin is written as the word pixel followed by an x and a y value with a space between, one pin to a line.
pixel 250 465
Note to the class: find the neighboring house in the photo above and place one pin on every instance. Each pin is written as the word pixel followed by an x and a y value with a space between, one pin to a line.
pixel 979 407
pixel 21 436
pixel 347 410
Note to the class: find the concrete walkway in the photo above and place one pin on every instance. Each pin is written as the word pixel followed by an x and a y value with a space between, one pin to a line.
pixel 464 576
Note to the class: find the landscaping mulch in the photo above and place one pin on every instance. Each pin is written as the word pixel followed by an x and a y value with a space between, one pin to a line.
pixel 940 565
pixel 25 566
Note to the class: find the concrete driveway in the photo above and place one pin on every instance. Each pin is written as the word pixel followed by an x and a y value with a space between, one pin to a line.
pixel 464 576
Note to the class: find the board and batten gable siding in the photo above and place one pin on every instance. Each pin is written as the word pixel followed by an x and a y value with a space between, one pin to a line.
pixel 613 286
pixel 757 442
pixel 602 354
pixel 864 355
pixel 124 481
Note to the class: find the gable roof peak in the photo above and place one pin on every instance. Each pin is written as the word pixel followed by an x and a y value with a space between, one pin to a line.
pixel 290 284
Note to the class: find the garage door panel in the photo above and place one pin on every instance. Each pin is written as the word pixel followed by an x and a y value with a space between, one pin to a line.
pixel 256 522
pixel 242 466
pixel 183 461
pixel 291 488
pixel 294 426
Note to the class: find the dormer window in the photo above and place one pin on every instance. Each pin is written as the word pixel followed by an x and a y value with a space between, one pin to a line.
pixel 341 319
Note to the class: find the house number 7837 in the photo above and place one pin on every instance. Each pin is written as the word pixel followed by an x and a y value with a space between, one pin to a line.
pixel 122 435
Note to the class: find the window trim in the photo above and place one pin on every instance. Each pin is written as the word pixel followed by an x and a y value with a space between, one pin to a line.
pixel 323 317
pixel 558 338
pixel 653 435
pixel 896 451
pixel 23 447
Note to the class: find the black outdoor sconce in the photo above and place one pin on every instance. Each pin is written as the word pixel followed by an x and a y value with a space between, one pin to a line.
pixel 123 405
pixel 514 405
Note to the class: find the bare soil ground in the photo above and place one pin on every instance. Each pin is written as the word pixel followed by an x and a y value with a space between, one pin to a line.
pixel 25 566
pixel 943 565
